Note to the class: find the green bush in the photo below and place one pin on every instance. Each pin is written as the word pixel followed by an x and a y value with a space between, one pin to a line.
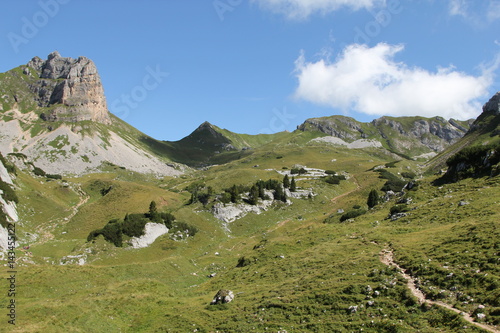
pixel 394 185
pixel 53 176
pixel 167 219
pixel 225 198
pixel 297 171
pixel 352 214
pixel 10 168
pixel 244 261
pixel 474 155
pixel 3 219
pixel 112 232
pixel 183 226
pixel 408 175
pixel 39 172
pixel 472 162
pixel 399 209
pixel 8 192
pixel 391 164
pixel 334 180
pixel 133 225
pixel 373 199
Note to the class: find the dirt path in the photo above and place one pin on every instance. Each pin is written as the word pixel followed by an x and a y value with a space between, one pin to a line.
pixel 84 197
pixel 387 258
pixel 45 231
pixel 334 200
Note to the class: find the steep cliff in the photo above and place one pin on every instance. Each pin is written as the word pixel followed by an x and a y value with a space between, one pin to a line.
pixel 54 111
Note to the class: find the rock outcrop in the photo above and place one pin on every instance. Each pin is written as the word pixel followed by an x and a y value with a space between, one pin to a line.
pixel 489 120
pixel 70 88
pixel 411 136
pixel 493 105
pixel 222 297
pixel 476 156
pixel 54 112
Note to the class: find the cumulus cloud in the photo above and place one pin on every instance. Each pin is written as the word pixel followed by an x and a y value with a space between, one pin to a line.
pixel 301 9
pixel 370 81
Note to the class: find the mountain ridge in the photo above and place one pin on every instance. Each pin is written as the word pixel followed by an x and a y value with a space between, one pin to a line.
pixel 408 136
pixel 47 95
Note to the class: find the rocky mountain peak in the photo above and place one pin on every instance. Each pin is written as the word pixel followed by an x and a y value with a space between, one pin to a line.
pixel 493 105
pixel 72 87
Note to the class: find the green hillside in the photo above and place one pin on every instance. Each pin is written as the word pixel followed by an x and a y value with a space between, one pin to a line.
pixel 291 268
pixel 308 235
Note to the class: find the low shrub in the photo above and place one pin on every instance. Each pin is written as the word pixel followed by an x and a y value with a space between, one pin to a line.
pixel 39 172
pixel 408 175
pixel 8 192
pixel 352 214
pixel 399 209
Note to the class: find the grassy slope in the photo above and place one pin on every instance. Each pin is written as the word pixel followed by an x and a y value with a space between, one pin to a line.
pixel 487 132
pixel 326 267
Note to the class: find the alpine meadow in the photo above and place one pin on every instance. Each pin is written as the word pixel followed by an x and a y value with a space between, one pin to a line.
pixel 339 226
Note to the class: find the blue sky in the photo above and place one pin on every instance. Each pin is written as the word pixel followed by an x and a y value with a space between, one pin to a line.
pixel 262 66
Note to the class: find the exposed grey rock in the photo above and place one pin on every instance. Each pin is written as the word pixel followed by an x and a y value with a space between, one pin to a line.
pixel 71 88
pixel 397 216
pixel 223 296
pixel 493 105
pixel 413 134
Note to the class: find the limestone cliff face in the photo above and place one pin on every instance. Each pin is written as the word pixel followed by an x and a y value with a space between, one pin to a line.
pixel 72 87
pixel 406 135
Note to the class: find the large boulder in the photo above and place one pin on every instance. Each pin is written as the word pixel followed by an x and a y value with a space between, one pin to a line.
pixel 223 296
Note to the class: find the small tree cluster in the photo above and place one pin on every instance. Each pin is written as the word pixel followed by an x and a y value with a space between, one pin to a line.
pixel 133 225
pixel 298 171
pixel 334 179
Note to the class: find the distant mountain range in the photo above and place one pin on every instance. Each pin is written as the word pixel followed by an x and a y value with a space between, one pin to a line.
pixel 54 111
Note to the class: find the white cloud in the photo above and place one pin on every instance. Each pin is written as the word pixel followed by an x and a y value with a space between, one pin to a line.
pixel 458 8
pixel 476 12
pixel 301 9
pixel 370 81
pixel 494 11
